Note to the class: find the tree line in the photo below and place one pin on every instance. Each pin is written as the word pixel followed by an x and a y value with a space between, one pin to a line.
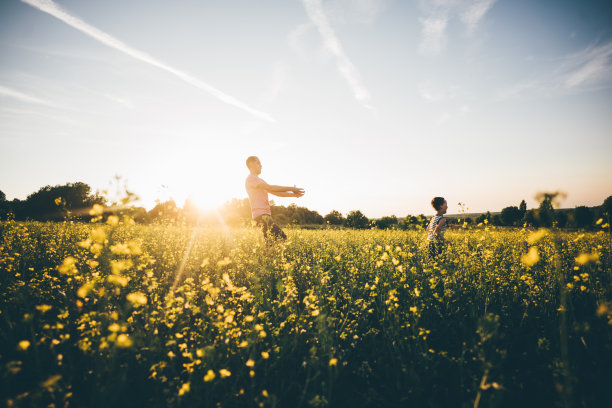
pixel 75 200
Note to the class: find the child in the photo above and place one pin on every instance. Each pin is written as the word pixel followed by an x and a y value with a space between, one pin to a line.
pixel 258 190
pixel 437 226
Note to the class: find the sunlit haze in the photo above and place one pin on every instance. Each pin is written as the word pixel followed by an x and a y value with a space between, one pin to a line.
pixel 376 105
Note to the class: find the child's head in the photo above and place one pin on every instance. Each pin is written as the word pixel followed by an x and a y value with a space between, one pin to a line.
pixel 439 204
pixel 253 164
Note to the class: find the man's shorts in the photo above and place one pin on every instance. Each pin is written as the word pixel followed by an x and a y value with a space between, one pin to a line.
pixel 271 231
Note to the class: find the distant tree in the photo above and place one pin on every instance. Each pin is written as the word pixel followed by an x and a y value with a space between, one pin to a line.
pixel 386 222
pixel 356 219
pixel 607 206
pixel 334 218
pixel 4 206
pixel 295 215
pixel 546 211
pixel 190 212
pixel 408 222
pixel 52 203
pixel 164 212
pixel 236 212
pixel 510 215
pixel 561 219
pixel 583 216
pixel 530 218
pixel 522 209
pixel 497 220
pixel 482 217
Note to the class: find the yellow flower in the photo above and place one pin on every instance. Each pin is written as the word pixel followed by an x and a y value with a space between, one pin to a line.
pixel 98 235
pixel 117 280
pixel 224 262
pixel 23 345
pixel 123 341
pixel 120 265
pixel 265 355
pixel 85 289
pixel 184 389
pixel 97 209
pixel 67 267
pixel 265 393
pixel 137 299
pixel 114 327
pixel 536 236
pixel 583 258
pixel 43 308
pixel 333 362
pixel 51 381
pixel 120 249
pixel 531 257
pixel 112 220
pixel 224 373
pixel 250 363
pixel 210 375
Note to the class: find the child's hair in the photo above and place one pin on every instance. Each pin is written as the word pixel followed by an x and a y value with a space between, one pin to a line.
pixel 437 202
pixel 250 160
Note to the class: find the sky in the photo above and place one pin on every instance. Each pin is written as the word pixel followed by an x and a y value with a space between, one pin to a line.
pixel 371 105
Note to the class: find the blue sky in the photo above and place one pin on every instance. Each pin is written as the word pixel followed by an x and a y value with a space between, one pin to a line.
pixel 376 105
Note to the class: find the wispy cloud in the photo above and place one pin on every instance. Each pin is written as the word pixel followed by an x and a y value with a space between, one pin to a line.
pixel 474 13
pixel 23 97
pixel 433 32
pixel 588 69
pixel 438 14
pixel 48 6
pixel 28 113
pixel 589 66
pixel 118 100
pixel 360 11
pixel 432 93
pixel 315 12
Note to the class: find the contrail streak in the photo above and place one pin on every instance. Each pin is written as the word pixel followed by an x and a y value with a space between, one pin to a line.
pixel 24 97
pixel 49 7
pixel 314 9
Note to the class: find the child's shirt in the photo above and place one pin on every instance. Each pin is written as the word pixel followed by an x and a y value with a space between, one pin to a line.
pixel 435 220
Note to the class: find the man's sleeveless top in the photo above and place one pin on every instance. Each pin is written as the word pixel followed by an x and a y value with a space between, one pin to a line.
pixel 432 227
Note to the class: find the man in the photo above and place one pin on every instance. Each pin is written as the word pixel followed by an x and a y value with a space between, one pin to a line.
pixel 258 190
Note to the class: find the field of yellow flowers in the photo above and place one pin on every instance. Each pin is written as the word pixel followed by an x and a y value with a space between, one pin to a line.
pixel 117 314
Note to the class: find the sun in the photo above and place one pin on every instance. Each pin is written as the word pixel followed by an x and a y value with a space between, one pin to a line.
pixel 203 201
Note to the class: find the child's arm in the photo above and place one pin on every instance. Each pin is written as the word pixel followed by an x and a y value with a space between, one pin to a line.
pixel 439 226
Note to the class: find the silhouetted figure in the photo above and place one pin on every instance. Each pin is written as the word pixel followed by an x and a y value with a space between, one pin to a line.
pixel 258 190
pixel 437 227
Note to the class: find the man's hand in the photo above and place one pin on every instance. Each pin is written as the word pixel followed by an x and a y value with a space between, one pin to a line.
pixel 297 191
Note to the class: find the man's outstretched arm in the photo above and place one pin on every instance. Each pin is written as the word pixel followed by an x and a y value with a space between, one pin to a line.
pixel 279 189
pixel 286 193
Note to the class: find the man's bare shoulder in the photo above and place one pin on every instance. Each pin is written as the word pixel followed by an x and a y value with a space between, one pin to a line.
pixel 253 181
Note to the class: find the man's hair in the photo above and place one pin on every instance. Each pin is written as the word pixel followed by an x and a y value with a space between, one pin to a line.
pixel 250 160
pixel 437 202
